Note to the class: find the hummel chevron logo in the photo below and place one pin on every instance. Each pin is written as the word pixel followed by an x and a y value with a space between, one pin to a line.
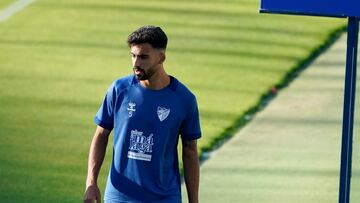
pixel 131 108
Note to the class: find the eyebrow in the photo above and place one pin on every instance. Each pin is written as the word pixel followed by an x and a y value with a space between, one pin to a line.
pixel 140 54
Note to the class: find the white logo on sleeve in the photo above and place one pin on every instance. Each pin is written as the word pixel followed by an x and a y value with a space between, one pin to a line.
pixel 140 146
pixel 162 113
pixel 131 108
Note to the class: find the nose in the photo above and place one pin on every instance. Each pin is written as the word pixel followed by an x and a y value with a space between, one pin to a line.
pixel 136 61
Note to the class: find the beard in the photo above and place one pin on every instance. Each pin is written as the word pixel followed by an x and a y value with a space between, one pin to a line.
pixel 140 74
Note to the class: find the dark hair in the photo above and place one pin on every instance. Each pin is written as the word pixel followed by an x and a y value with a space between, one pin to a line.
pixel 148 34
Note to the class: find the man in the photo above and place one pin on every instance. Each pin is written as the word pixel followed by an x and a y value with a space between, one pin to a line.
pixel 147 110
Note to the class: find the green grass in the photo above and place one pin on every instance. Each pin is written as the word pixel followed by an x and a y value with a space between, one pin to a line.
pixel 58 58
pixel 290 152
pixel 5 3
pixel 355 176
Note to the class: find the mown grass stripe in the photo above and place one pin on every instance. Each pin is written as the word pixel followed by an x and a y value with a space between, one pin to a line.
pixel 59 58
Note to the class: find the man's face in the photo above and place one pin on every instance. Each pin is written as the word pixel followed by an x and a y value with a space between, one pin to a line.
pixel 145 60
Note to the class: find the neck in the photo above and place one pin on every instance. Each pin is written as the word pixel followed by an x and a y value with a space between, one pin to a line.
pixel 158 80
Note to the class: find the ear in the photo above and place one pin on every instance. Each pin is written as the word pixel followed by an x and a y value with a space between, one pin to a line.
pixel 162 57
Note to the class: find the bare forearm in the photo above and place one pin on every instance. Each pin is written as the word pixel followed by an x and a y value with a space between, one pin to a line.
pixel 191 170
pixel 96 155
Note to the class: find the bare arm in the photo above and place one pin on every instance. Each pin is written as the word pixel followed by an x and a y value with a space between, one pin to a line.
pixel 191 169
pixel 96 157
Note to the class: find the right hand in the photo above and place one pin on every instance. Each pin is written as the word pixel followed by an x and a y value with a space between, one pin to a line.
pixel 92 193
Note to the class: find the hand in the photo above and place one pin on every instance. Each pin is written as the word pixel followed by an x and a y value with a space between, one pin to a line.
pixel 92 193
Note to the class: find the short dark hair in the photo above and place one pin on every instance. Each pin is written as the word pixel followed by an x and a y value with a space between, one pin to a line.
pixel 148 34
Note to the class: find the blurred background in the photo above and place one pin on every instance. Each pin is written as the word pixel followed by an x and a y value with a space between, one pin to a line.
pixel 57 58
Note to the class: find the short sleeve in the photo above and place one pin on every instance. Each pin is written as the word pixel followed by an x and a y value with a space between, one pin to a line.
pixel 190 128
pixel 105 115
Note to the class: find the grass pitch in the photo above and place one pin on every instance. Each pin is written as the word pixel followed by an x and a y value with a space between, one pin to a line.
pixel 290 151
pixel 58 58
pixel 355 176
pixel 5 3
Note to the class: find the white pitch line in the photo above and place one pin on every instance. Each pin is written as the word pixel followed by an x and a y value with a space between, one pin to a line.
pixel 14 8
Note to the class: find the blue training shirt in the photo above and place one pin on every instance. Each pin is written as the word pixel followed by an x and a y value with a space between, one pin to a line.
pixel 147 124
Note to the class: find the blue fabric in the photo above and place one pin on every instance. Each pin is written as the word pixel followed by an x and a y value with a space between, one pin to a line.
pixel 146 125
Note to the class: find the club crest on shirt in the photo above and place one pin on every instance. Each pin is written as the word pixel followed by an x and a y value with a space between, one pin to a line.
pixel 131 108
pixel 162 113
